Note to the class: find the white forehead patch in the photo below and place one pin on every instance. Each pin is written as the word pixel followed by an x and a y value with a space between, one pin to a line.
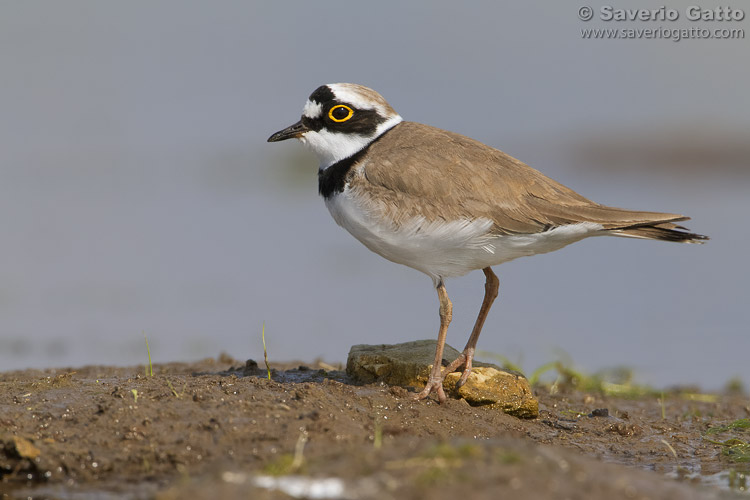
pixel 348 95
pixel 312 109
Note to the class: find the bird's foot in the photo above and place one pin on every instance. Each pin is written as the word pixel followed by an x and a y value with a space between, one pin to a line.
pixel 434 384
pixel 464 359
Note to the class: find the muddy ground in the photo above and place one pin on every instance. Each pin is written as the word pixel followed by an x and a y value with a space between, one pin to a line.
pixel 215 429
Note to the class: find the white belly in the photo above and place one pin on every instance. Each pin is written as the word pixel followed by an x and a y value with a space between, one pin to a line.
pixel 444 249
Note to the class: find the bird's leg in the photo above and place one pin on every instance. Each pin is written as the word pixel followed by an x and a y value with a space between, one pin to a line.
pixel 435 382
pixel 467 356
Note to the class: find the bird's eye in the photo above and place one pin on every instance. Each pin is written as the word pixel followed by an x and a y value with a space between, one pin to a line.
pixel 340 113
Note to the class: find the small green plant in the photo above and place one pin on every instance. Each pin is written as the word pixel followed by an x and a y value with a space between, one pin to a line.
pixel 265 352
pixel 734 448
pixel 742 424
pixel 135 395
pixel 614 382
pixel 617 382
pixel 281 466
pixel 176 394
pixel 377 441
pixel 536 374
pixel 289 463
pixel 149 368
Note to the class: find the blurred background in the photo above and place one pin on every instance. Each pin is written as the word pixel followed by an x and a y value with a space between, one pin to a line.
pixel 138 193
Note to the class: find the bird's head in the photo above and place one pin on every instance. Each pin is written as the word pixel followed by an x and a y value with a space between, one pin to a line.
pixel 340 119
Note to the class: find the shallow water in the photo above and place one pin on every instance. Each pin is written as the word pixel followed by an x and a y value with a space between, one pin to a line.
pixel 198 265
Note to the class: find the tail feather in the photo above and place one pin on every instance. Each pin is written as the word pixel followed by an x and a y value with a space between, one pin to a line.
pixel 665 231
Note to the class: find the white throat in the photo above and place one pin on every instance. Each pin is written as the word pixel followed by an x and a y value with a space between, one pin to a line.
pixel 332 147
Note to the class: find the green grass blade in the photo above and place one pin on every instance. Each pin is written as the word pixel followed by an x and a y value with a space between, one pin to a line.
pixel 150 367
pixel 265 353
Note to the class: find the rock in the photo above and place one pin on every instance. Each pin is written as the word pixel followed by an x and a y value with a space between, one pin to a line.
pixel 409 364
pixel 497 388
pixel 25 448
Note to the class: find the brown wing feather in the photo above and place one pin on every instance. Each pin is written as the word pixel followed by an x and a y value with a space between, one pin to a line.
pixel 422 170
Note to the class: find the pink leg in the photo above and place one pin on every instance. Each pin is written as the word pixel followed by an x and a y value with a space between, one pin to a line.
pixel 467 356
pixel 435 382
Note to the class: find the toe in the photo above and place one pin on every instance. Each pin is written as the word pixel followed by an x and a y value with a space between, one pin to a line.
pixel 435 386
pixel 464 378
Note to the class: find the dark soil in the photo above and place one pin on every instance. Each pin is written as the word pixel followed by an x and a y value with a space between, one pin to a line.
pixel 215 429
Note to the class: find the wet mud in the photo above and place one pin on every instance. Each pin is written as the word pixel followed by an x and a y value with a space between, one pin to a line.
pixel 221 429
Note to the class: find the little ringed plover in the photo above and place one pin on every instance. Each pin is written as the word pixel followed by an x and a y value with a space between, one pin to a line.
pixel 445 204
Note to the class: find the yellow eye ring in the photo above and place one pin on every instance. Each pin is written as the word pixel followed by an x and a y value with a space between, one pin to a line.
pixel 350 113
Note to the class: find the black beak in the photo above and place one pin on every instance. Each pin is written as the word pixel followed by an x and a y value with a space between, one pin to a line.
pixel 295 130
